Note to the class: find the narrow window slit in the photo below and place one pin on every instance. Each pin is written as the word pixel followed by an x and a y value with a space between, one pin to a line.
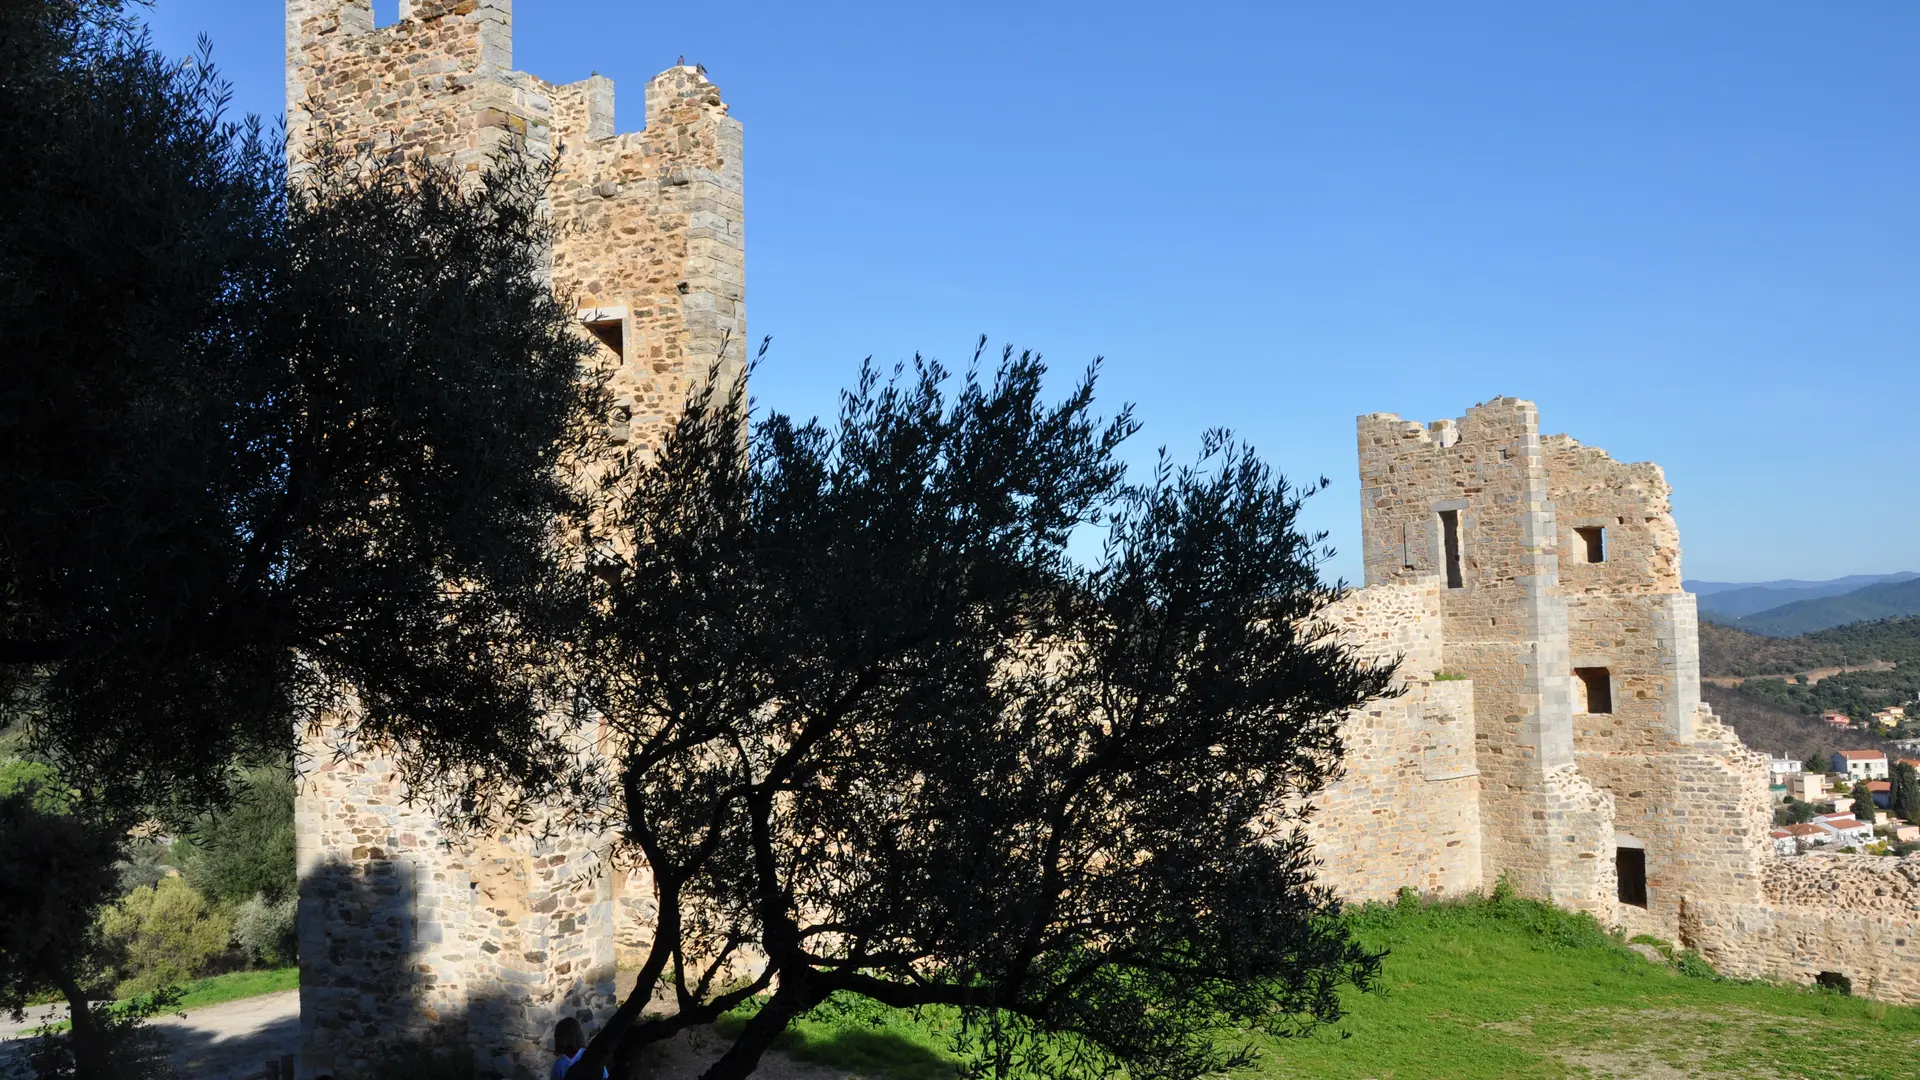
pixel 1450 544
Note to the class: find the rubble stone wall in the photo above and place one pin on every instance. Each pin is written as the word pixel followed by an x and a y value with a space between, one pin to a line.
pixel 1406 810
pixel 1853 915
pixel 412 937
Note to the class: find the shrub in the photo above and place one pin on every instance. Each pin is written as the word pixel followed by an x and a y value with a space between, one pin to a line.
pixel 166 934
pixel 1505 888
pixel 246 849
pixel 265 929
pixel 145 863
pixel 131 1049
pixel 1407 899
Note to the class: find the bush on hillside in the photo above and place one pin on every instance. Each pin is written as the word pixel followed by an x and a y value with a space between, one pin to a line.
pixel 145 863
pixel 247 849
pixel 165 934
pixel 36 779
pixel 265 929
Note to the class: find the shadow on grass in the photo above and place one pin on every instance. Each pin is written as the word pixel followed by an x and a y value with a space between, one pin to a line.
pixel 864 1040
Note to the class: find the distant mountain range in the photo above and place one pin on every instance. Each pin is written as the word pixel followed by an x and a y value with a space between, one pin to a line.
pixel 1788 607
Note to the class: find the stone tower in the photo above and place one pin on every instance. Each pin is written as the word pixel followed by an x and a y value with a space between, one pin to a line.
pixel 404 937
pixel 1549 726
pixel 1605 784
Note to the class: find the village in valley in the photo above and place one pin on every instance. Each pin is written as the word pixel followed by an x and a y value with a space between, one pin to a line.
pixel 1853 801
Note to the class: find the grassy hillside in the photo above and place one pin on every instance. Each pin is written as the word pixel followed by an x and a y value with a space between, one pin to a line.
pixel 1492 989
pixel 1890 600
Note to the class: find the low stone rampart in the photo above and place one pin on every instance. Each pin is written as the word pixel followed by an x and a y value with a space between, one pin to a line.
pixel 1856 916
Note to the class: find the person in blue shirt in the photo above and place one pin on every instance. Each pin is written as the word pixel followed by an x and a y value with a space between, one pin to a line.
pixel 569 1042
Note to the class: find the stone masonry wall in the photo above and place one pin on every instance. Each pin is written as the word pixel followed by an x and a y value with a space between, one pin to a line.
pixel 1853 915
pixel 406 935
pixel 1406 810
pixel 411 937
pixel 1686 791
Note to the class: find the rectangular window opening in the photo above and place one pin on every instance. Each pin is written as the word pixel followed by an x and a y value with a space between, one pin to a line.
pixel 1630 864
pixel 1450 545
pixel 1597 686
pixel 610 333
pixel 1595 539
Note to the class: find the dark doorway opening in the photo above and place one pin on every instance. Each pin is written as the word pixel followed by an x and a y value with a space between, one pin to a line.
pixel 1833 980
pixel 1594 539
pixel 1630 864
pixel 1450 547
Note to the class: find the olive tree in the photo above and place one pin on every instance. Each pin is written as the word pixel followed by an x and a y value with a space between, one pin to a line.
pixel 878 731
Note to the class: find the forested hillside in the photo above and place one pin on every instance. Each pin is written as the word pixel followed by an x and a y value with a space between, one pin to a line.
pixel 1726 650
pixel 1786 683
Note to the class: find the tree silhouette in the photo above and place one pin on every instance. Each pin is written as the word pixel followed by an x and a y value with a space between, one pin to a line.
pixel 877 732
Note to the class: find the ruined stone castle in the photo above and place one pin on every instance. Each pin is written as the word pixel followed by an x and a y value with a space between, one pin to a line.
pixel 1549 728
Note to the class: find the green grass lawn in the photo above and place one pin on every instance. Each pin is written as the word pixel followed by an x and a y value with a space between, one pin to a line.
pixel 235 985
pixel 1500 989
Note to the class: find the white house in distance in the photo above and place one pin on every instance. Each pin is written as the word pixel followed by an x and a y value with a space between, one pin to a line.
pixel 1794 839
pixel 1861 764
pixel 1845 830
pixel 1783 769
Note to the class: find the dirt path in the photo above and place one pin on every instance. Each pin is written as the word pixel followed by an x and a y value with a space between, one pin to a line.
pixel 229 1041
pixel 233 1040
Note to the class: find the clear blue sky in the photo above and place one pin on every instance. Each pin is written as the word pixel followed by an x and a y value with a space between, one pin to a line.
pixel 1690 232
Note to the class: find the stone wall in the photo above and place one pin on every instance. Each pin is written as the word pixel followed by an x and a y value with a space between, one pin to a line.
pixel 1406 809
pixel 1686 792
pixel 1504 627
pixel 411 937
pixel 408 936
pixel 1852 915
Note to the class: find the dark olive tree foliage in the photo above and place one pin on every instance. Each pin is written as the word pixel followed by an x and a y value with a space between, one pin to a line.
pixel 876 732
pixel 260 442
pixel 56 870
pixel 1904 790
